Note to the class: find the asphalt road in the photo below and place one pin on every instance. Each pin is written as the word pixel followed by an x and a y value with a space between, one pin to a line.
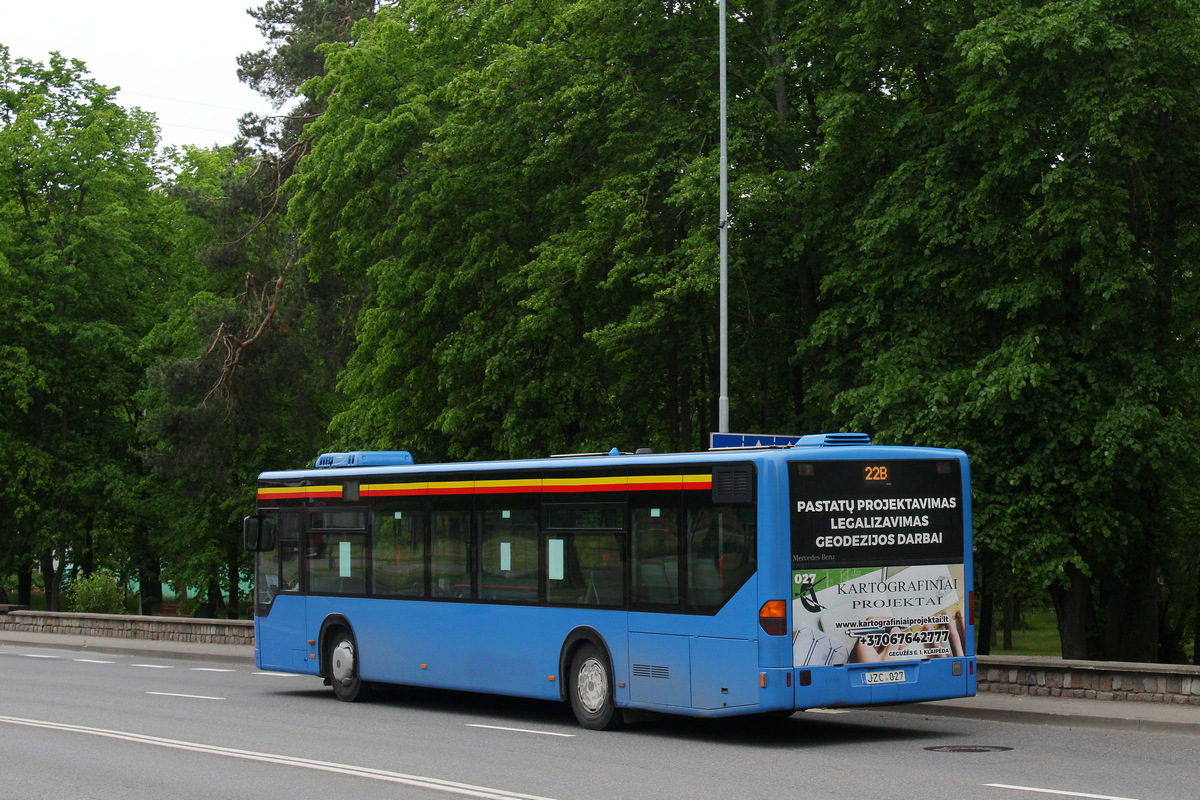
pixel 83 725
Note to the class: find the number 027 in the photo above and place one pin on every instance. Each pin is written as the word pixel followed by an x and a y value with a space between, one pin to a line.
pixel 875 473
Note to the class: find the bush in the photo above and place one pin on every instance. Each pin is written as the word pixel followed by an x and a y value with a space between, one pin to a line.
pixel 98 593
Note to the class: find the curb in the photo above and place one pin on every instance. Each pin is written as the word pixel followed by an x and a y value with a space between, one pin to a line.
pixel 1052 717
pixel 240 654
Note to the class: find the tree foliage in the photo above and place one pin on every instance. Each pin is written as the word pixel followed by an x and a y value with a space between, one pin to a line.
pixel 953 224
pixel 81 235
pixel 98 593
pixel 531 188
pixel 489 229
pixel 1021 280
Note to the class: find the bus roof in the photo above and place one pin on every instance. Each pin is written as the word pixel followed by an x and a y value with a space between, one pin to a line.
pixel 816 447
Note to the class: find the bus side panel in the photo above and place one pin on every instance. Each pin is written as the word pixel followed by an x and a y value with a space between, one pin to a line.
pixel 511 650
pixel 724 673
pixel 774 579
pixel 279 642
pixel 682 662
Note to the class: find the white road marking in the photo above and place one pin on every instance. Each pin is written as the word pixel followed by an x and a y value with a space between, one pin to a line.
pixel 1058 792
pixel 521 730
pixel 826 711
pixel 35 655
pixel 211 669
pixel 152 666
pixel 280 674
pixel 452 787
pixel 94 661
pixel 190 696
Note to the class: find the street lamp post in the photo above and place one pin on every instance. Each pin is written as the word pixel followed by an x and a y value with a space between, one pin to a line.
pixel 723 222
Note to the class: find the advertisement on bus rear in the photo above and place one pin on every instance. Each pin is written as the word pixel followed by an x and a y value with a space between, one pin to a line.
pixel 877 561
pixel 864 615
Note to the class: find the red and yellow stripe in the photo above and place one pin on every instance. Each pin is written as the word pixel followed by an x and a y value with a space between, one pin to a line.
pixel 619 483
pixel 299 492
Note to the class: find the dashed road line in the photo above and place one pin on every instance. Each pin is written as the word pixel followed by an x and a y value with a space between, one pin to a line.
pixel 1057 792
pixel 419 781
pixel 521 730
pixel 189 696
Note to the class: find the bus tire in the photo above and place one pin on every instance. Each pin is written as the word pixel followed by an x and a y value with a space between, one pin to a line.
pixel 591 690
pixel 343 666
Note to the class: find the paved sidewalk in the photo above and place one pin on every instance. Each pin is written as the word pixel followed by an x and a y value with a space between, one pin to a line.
pixel 1066 711
pixel 1141 716
pixel 146 648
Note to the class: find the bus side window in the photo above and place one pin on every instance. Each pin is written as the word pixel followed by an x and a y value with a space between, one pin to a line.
pixel 398 551
pixel 450 564
pixel 508 554
pixel 721 553
pixel 337 563
pixel 278 570
pixel 584 568
pixel 655 556
pixel 335 555
pixel 289 551
pixel 271 567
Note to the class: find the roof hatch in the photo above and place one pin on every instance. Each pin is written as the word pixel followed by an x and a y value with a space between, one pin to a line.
pixel 365 458
pixel 834 440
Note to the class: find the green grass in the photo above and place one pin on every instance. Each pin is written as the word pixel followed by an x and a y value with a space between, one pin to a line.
pixel 1038 636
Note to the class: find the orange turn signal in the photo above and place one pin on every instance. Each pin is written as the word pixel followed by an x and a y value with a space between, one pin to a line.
pixel 772 617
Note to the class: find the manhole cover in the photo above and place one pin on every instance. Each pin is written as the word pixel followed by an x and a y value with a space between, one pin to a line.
pixel 969 748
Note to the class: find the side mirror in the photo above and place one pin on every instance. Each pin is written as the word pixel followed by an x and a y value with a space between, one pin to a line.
pixel 258 533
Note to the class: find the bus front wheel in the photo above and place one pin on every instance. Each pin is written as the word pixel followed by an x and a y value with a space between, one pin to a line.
pixel 343 667
pixel 591 690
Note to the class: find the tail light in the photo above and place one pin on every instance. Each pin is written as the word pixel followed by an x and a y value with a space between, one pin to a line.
pixel 772 617
pixel 971 606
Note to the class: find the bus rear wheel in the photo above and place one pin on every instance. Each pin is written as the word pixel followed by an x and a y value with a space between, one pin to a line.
pixel 343 667
pixel 591 690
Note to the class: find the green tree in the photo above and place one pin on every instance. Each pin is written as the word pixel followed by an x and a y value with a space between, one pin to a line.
pixel 296 30
pixel 81 244
pixel 532 191
pixel 98 593
pixel 244 364
pixel 1011 257
pixel 241 373
pixel 953 224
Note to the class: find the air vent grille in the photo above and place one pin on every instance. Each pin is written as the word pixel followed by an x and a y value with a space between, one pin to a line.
pixel 651 671
pixel 733 483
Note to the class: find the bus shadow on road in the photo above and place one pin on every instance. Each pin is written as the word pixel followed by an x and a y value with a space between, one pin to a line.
pixel 800 730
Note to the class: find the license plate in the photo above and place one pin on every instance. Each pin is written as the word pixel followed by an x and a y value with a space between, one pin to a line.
pixel 884 676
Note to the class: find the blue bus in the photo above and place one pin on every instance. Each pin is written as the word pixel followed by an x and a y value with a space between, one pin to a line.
pixel 753 580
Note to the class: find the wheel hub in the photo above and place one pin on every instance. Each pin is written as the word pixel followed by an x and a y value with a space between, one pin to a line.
pixel 593 685
pixel 341 665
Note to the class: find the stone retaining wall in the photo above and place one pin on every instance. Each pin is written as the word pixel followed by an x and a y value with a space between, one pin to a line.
pixel 1031 675
pixel 1095 680
pixel 171 629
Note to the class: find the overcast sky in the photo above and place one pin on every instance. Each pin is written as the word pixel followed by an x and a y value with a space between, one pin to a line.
pixel 175 58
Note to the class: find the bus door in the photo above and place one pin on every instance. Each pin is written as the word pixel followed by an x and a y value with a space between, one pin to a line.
pixel 659 645
pixel 333 567
pixel 279 608
pixel 692 632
